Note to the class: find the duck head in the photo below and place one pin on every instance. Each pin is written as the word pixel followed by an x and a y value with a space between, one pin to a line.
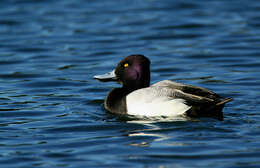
pixel 133 72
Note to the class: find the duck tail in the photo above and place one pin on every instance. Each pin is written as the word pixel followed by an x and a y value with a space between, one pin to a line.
pixel 223 102
pixel 213 110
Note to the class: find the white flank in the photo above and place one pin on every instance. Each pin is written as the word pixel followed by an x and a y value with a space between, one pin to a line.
pixel 145 102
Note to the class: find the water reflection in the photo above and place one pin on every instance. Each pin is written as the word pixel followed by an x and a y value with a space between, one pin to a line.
pixel 150 132
pixel 154 129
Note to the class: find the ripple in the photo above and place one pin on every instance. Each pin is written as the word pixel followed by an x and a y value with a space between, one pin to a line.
pixel 9 62
pixel 170 36
pixel 186 26
pixel 66 67
pixel 15 113
pixel 213 156
pixel 9 22
pixel 51 84
pixel 20 75
pixel 32 50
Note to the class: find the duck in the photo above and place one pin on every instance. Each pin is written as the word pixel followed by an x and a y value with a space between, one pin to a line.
pixel 165 98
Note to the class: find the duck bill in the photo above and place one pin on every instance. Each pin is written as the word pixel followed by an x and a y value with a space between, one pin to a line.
pixel 110 76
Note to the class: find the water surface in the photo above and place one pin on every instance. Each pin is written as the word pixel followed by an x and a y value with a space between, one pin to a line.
pixel 51 108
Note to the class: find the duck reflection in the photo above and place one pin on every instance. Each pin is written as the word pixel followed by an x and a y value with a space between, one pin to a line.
pixel 154 130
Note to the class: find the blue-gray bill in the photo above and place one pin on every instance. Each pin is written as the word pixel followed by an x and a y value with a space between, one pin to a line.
pixel 110 76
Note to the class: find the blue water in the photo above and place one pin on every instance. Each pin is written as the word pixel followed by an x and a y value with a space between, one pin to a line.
pixel 51 108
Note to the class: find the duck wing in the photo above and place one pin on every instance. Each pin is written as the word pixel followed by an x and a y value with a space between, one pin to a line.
pixel 190 91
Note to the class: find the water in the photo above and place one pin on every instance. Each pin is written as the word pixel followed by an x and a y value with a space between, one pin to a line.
pixel 51 109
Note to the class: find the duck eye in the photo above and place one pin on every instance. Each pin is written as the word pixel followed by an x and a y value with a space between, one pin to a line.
pixel 126 65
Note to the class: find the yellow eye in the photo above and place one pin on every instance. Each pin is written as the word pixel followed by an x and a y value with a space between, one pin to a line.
pixel 126 65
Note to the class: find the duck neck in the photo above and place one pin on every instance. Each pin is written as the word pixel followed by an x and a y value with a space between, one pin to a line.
pixel 132 86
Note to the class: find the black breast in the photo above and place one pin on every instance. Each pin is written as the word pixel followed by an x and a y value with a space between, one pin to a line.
pixel 115 101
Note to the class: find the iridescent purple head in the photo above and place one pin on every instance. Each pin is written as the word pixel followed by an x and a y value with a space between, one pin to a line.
pixel 133 72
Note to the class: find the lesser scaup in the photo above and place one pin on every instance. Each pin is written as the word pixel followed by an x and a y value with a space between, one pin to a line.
pixel 164 98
